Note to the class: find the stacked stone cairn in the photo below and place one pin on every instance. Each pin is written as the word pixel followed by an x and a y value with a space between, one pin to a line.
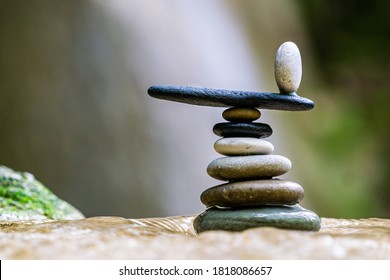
pixel 252 196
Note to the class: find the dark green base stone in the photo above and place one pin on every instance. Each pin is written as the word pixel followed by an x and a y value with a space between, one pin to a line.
pixel 238 219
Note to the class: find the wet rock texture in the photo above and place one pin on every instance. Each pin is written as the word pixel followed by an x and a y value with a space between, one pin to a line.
pixel 174 238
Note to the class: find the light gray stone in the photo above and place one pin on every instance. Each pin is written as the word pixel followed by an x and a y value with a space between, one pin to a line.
pixel 241 146
pixel 288 68
pixel 248 167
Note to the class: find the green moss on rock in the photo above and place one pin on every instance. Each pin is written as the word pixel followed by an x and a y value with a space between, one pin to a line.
pixel 22 197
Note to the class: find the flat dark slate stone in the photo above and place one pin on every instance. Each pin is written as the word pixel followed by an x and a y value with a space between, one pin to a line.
pixel 231 98
pixel 239 219
pixel 229 129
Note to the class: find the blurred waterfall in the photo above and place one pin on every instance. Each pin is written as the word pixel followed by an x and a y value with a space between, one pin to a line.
pixel 74 107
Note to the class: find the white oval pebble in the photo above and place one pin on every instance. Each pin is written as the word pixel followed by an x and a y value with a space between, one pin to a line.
pixel 241 146
pixel 288 68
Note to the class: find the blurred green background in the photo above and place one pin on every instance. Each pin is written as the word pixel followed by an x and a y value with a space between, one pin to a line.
pixel 75 113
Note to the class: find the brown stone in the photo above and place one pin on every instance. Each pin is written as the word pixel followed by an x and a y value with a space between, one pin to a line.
pixel 253 193
pixel 236 114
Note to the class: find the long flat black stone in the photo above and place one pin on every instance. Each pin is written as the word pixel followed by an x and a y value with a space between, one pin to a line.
pixel 231 98
pixel 230 129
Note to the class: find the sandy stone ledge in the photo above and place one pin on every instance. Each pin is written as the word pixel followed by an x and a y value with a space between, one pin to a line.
pixel 174 238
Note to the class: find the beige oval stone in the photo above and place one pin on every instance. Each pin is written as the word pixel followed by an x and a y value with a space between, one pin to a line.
pixel 288 68
pixel 242 168
pixel 241 114
pixel 241 146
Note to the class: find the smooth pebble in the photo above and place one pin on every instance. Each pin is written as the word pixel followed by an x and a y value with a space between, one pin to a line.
pixel 242 146
pixel 236 114
pixel 239 219
pixel 230 129
pixel 242 168
pixel 288 68
pixel 253 193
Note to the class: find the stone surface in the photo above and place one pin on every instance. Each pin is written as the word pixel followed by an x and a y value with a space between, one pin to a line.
pixel 229 129
pixel 288 68
pixel 239 219
pixel 253 193
pixel 231 98
pixel 242 146
pixel 22 197
pixel 242 168
pixel 236 114
pixel 174 238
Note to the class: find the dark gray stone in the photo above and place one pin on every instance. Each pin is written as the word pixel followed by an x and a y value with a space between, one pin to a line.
pixel 238 219
pixel 229 129
pixel 231 98
pixel 253 193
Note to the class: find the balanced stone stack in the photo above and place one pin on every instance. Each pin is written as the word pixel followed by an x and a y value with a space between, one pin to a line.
pixel 252 196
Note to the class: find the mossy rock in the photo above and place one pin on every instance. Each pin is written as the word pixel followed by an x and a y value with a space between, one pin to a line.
pixel 22 197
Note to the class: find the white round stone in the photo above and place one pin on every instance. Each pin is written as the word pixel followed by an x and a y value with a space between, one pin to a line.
pixel 241 146
pixel 288 68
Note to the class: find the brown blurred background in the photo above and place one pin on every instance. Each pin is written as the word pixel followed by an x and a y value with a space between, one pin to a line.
pixel 75 112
